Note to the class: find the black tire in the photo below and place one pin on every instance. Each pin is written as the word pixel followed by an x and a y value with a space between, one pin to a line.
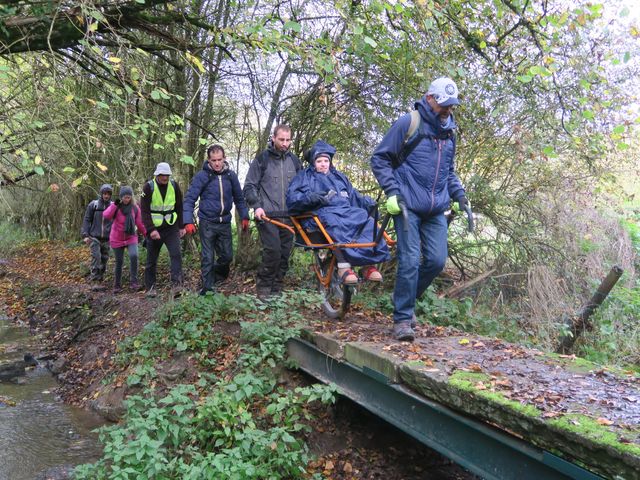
pixel 336 298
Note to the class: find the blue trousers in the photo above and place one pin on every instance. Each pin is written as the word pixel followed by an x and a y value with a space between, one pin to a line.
pixel 422 253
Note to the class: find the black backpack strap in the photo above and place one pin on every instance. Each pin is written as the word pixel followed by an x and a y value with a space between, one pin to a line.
pixel 263 158
pixel 414 136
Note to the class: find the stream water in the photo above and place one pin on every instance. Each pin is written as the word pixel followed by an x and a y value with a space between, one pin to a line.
pixel 37 430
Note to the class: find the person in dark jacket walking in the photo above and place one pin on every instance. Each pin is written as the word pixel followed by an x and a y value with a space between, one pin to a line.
pixel 161 206
pixel 265 191
pixel 343 210
pixel 419 172
pixel 95 232
pixel 218 188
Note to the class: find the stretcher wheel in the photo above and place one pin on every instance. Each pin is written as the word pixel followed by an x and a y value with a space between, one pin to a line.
pixel 336 298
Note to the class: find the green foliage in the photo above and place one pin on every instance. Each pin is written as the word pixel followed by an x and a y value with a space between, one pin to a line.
pixel 616 336
pixel 13 236
pixel 461 314
pixel 186 325
pixel 245 426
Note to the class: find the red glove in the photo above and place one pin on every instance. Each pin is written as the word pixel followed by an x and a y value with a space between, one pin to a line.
pixel 245 224
pixel 190 229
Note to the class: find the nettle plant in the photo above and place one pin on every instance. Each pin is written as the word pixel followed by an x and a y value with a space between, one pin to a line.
pixel 244 426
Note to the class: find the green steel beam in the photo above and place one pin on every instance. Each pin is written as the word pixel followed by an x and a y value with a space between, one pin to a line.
pixel 478 447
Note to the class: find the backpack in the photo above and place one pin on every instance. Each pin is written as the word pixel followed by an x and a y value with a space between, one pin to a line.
pixel 94 206
pixel 412 139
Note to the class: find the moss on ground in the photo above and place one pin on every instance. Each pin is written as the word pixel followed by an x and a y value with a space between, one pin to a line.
pixel 468 381
pixel 600 434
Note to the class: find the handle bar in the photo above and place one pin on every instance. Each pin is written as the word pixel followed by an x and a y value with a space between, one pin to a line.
pixel 405 215
pixel 470 221
pixel 383 227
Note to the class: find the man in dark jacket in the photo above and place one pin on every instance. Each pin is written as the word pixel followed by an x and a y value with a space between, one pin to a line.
pixel 95 232
pixel 419 172
pixel 265 190
pixel 218 188
pixel 161 207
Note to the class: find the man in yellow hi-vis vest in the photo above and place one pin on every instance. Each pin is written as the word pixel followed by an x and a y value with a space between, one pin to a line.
pixel 161 206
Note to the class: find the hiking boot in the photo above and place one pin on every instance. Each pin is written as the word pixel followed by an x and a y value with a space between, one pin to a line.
pixel 371 274
pixel 403 332
pixel 204 291
pixel 117 289
pixel 135 286
pixel 151 293
pixel 414 321
pixel 264 294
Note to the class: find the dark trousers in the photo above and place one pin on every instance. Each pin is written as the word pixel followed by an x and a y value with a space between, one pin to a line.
pixel 133 264
pixel 217 252
pixel 171 238
pixel 99 256
pixel 276 249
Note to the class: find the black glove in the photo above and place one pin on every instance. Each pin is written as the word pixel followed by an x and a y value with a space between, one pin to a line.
pixel 318 198
pixel 117 201
pixel 463 203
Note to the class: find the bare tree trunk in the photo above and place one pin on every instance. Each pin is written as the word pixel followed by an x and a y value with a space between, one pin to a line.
pixel 580 322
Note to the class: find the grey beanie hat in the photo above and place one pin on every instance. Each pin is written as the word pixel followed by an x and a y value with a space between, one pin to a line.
pixel 126 190
pixel 106 188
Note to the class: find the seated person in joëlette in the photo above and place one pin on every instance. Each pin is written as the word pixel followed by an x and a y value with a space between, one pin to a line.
pixel 343 210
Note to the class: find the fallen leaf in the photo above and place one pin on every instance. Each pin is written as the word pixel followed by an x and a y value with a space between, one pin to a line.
pixel 347 468
pixel 480 386
pixel 328 465
pixel 604 421
pixel 474 367
pixel 464 341
pixel 550 414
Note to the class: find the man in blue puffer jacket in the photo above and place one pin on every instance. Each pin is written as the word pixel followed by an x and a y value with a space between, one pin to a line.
pixel 218 188
pixel 419 171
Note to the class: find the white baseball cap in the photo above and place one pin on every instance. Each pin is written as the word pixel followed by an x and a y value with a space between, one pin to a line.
pixel 162 168
pixel 444 91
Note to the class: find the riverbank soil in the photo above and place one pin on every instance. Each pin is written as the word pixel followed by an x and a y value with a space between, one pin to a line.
pixel 79 326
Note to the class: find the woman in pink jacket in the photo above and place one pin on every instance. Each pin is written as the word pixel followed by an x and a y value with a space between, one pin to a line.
pixel 126 217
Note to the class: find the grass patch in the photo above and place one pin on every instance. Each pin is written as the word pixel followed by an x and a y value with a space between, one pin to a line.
pixel 13 236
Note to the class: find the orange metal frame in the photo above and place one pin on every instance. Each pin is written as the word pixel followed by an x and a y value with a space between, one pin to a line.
pixel 325 280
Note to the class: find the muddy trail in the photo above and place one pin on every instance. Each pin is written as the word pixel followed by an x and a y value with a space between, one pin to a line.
pixel 79 327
